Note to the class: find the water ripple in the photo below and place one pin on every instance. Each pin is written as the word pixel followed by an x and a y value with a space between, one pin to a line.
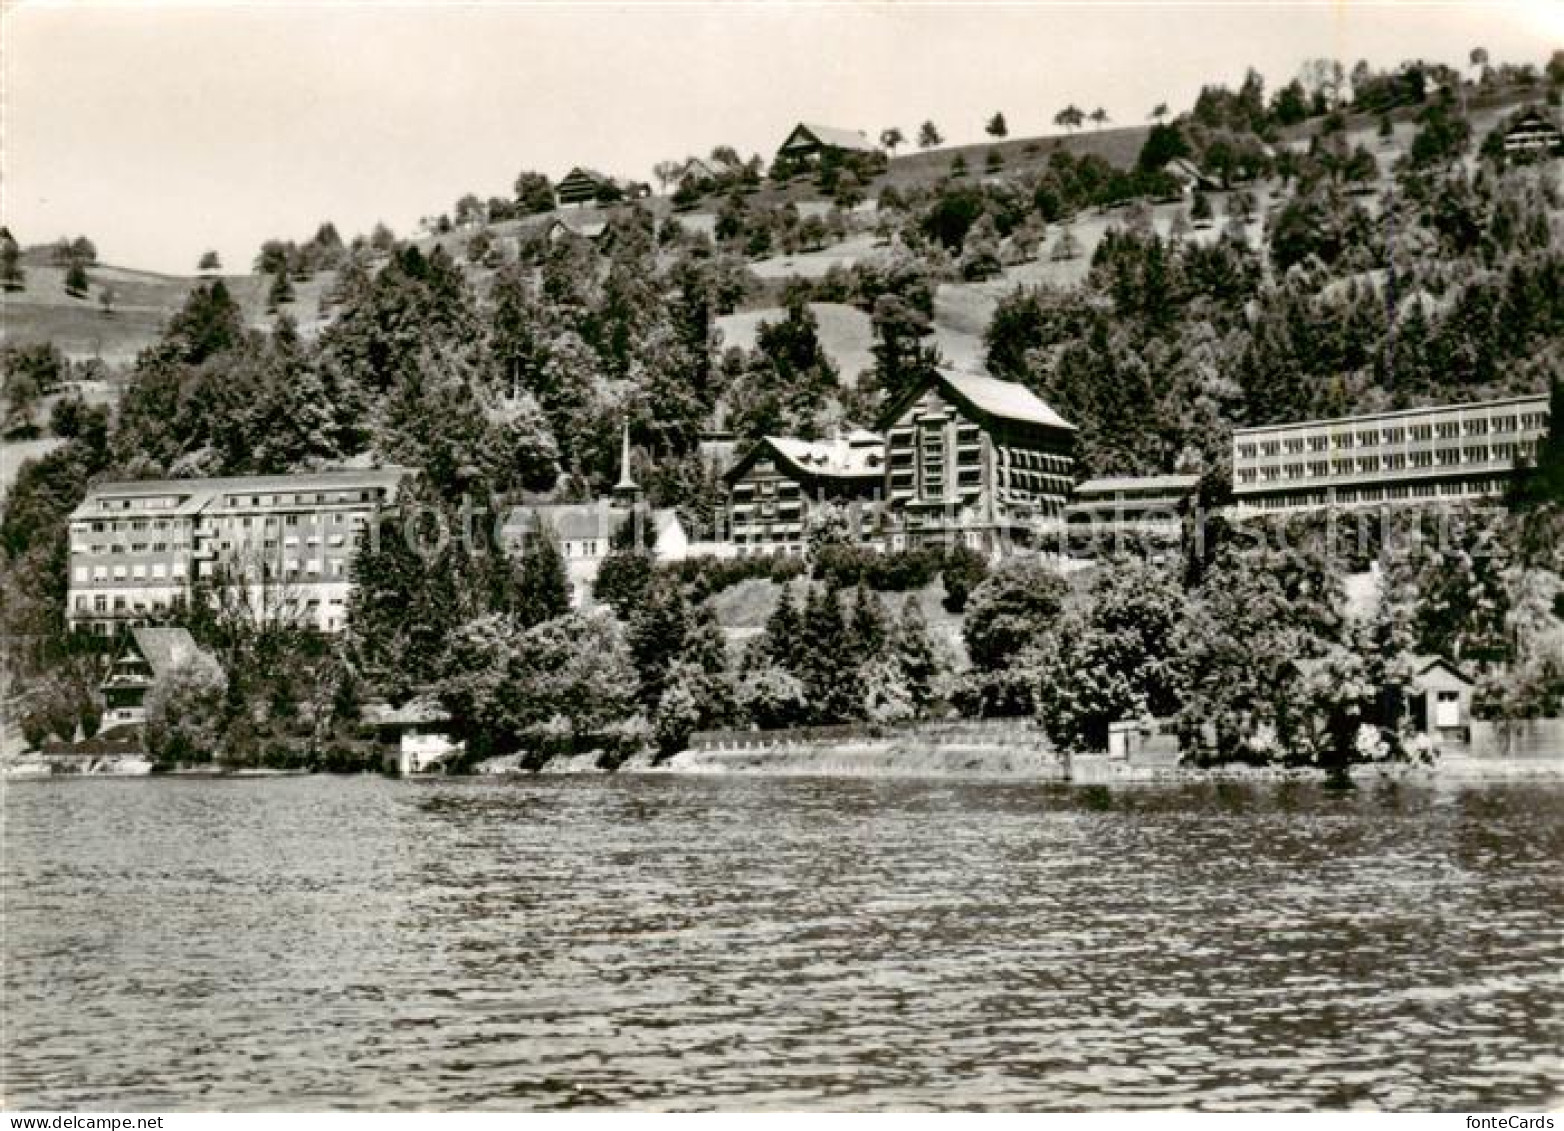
pixel 718 944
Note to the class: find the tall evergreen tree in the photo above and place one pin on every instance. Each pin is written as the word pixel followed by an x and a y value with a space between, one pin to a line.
pixel 542 590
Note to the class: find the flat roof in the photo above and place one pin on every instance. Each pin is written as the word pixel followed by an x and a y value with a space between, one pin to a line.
pixel 1402 413
pixel 1138 483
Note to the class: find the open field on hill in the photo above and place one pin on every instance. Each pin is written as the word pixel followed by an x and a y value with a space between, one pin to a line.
pixel 143 304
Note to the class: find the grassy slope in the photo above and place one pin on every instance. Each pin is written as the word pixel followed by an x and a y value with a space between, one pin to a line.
pixel 143 303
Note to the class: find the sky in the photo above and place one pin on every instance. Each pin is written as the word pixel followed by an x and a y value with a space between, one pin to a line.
pixel 160 130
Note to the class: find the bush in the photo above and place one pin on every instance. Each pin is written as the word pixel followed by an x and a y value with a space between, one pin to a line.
pixel 702 577
pixel 963 570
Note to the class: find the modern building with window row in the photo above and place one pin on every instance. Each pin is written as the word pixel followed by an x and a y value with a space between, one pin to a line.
pixel 138 548
pixel 1450 452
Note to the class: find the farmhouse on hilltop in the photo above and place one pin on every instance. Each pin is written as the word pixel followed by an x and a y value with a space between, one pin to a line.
pixel 584 186
pixel 808 142
pixel 1533 134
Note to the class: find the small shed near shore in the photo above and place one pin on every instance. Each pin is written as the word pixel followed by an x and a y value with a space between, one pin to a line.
pixel 1439 699
pixel 420 728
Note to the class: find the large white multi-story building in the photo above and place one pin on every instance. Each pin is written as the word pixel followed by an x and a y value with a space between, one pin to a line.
pixel 1450 452
pixel 137 549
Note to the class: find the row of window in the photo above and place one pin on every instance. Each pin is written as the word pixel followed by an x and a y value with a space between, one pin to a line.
pixel 1393 493
pixel 1395 434
pixel 1471 454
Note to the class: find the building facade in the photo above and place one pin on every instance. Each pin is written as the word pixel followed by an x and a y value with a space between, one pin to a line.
pixel 147 655
pixel 137 549
pixel 1132 507
pixel 1448 453
pixel 777 487
pixel 808 142
pixel 972 460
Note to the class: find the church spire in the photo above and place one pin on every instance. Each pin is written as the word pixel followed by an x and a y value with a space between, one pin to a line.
pixel 625 491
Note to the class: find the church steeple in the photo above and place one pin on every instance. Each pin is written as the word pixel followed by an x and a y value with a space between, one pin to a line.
pixel 626 493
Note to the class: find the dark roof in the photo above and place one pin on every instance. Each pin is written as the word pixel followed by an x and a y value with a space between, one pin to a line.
pixel 1423 661
pixel 832 137
pixel 1004 400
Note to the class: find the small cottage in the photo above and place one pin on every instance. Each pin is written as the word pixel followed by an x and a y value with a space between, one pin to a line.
pixel 148 654
pixel 421 729
pixel 1439 700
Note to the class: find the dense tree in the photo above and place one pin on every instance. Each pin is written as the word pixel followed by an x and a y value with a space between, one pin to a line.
pixel 542 590
pixel 12 275
pixel 534 193
pixel 928 136
pixel 1071 117
pixel 209 262
pixel 1110 657
pixel 892 138
pixel 996 126
pixel 76 281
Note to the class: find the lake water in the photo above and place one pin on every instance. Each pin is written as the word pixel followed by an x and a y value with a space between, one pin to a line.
pixel 745 943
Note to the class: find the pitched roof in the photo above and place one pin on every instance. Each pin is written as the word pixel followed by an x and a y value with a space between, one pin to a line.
pixel 165 649
pixel 833 137
pixel 1423 661
pixel 1004 399
pixel 199 494
pixel 842 459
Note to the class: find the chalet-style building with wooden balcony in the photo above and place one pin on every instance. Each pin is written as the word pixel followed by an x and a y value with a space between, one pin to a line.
pixel 972 460
pixel 776 488
pixel 147 655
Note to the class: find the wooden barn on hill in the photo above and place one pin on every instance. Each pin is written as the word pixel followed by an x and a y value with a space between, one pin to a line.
pixel 809 142
pixel 584 186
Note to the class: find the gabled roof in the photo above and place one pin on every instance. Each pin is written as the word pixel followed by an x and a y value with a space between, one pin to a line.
pixel 1003 399
pixel 581 172
pixel 832 137
pixel 1422 663
pixel 826 459
pixel 163 649
pixel 593 231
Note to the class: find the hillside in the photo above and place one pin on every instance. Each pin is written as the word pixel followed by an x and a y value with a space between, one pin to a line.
pixel 143 300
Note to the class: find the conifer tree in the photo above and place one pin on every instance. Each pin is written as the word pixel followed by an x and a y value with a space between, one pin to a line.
pixel 913 650
pixel 542 590
pixel 658 630
pixel 12 277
